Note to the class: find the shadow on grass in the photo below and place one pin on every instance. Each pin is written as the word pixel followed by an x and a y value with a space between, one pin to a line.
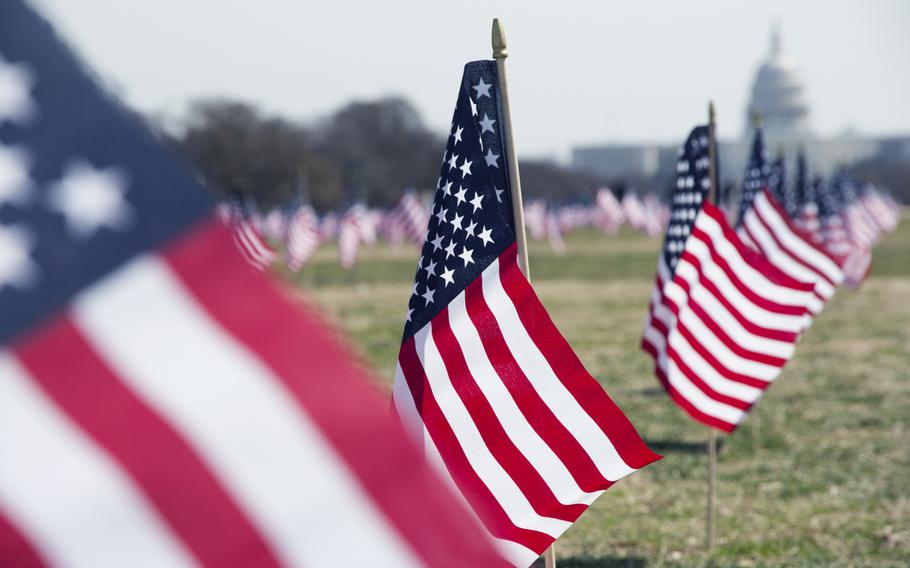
pixel 682 447
pixel 596 562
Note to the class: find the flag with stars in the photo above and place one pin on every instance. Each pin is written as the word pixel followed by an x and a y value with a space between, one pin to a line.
pixel 757 174
pixel 485 382
pixel 722 321
pixel 161 403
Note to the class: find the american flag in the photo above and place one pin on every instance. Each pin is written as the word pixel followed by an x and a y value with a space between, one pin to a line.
pixel 608 211
pixel 302 238
pixel 410 217
pixel 161 405
pixel 756 176
pixel 247 238
pixel 485 382
pixel 722 320
pixel 768 229
pixel 351 234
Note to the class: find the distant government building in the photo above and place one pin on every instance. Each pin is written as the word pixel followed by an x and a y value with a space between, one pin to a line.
pixel 779 96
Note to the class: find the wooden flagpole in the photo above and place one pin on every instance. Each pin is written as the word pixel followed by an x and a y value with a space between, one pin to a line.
pixel 500 52
pixel 712 434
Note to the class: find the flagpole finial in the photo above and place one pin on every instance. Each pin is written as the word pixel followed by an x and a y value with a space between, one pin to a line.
pixel 500 50
pixel 711 113
pixel 756 118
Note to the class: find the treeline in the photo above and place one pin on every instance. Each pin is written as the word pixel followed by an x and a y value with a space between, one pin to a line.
pixel 365 151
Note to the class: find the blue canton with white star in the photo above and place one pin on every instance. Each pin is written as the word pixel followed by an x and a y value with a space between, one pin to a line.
pixel 693 182
pixel 83 186
pixel 471 220
pixel 757 175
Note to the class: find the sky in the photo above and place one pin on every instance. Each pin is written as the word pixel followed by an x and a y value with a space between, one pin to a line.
pixel 579 72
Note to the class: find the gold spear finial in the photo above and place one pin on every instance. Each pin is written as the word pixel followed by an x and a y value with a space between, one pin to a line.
pixel 711 113
pixel 500 50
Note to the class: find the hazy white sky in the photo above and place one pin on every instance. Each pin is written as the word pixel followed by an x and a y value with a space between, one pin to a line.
pixel 579 72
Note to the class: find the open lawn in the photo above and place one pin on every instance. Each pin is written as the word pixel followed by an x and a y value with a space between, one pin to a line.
pixel 818 475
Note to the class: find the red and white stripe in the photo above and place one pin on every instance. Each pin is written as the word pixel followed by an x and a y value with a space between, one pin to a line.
pixel 303 238
pixel 634 211
pixel 767 228
pixel 249 241
pixel 410 216
pixel 159 422
pixel 722 327
pixel 554 233
pixel 502 404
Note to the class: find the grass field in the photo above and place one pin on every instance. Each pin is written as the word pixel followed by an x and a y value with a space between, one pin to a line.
pixel 818 475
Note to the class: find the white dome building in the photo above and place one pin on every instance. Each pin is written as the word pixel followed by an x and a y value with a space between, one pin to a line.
pixel 778 96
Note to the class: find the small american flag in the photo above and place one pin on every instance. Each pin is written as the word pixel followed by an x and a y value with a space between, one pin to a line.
pixel 161 405
pixel 722 320
pixel 608 214
pixel 302 238
pixel 409 216
pixel 247 238
pixel 485 382
pixel 768 229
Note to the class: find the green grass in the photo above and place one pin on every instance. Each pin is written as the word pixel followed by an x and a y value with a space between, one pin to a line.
pixel 818 475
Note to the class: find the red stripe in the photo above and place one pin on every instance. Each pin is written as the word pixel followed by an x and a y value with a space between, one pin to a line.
pixel 538 414
pixel 528 479
pixel 15 550
pixel 567 367
pixel 473 488
pixel 163 465
pixel 317 372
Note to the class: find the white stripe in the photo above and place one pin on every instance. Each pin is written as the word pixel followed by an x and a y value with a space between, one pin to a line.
pixel 519 430
pixel 237 416
pixel 548 386
pixel 504 489
pixel 72 500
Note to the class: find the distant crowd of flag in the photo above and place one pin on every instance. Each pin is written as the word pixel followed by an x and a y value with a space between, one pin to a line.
pixel 300 231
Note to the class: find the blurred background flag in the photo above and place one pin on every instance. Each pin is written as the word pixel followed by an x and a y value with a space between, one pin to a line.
pixel 722 320
pixel 161 404
pixel 485 381
pixel 765 226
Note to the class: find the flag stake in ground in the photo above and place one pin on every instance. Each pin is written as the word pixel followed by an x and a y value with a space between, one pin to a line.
pixel 712 434
pixel 500 52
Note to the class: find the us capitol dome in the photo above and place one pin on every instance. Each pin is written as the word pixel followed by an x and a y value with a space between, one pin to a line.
pixel 778 97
